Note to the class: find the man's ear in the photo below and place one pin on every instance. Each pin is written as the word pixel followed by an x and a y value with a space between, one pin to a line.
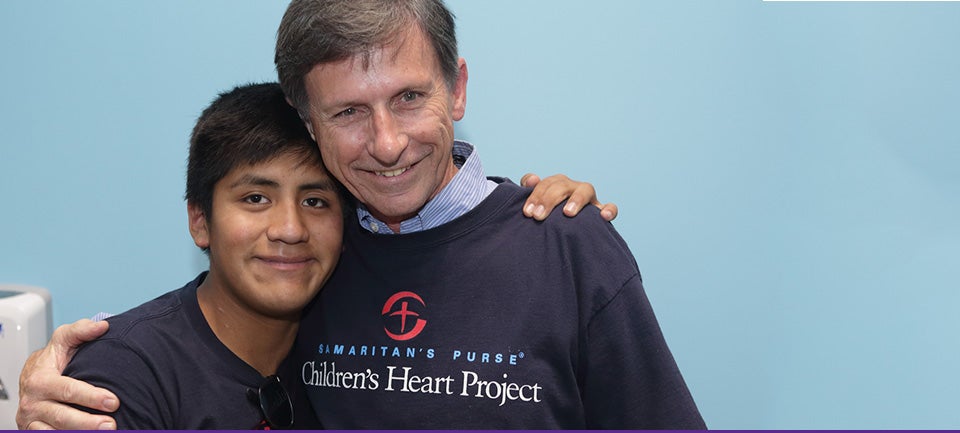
pixel 306 122
pixel 460 91
pixel 198 226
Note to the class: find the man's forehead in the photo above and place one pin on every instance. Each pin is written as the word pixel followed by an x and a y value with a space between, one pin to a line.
pixel 410 47
pixel 391 44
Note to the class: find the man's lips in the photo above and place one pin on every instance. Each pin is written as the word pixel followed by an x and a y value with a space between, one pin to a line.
pixel 392 173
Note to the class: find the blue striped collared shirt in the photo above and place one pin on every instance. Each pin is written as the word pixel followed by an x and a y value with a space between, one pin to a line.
pixel 464 192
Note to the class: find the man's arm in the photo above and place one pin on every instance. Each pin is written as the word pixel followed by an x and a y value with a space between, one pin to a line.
pixel 550 192
pixel 45 394
pixel 632 380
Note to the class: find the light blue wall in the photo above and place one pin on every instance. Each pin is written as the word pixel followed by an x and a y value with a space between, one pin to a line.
pixel 787 173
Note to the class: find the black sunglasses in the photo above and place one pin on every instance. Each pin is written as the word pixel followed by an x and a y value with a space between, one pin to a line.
pixel 274 403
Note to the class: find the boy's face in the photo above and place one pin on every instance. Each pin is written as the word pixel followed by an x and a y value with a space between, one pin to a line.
pixel 274 235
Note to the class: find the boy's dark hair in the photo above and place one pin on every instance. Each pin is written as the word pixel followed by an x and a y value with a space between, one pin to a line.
pixel 248 125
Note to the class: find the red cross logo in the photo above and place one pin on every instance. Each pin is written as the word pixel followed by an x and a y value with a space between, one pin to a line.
pixel 391 309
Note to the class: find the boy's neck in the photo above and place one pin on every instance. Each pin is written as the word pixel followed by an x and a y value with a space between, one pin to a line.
pixel 259 341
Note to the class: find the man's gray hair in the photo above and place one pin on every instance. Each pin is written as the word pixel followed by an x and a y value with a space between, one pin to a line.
pixel 322 31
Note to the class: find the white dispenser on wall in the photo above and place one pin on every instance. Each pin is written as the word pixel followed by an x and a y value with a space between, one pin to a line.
pixel 26 322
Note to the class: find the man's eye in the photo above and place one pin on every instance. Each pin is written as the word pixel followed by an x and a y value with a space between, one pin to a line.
pixel 348 112
pixel 314 202
pixel 410 96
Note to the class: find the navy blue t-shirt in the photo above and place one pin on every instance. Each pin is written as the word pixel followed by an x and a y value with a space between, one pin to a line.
pixel 490 321
pixel 169 370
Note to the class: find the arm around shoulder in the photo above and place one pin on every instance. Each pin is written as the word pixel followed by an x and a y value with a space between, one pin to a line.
pixel 45 395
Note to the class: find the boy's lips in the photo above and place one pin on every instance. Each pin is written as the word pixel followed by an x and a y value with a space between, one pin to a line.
pixel 286 262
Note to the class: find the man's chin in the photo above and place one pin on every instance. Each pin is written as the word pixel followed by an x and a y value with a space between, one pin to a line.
pixel 394 212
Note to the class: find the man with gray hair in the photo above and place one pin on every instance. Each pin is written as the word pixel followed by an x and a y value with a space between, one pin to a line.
pixel 447 311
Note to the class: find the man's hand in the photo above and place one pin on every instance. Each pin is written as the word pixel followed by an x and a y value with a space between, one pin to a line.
pixel 549 192
pixel 45 393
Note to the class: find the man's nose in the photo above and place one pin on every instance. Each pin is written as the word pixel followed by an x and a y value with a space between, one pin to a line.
pixel 389 141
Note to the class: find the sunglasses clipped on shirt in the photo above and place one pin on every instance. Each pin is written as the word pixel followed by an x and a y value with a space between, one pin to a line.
pixel 274 403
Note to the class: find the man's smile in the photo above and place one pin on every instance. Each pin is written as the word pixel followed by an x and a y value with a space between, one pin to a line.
pixel 392 173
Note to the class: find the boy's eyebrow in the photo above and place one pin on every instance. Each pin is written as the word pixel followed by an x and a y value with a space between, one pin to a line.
pixel 250 179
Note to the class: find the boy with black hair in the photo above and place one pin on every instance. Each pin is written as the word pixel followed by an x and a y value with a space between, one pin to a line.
pixel 270 218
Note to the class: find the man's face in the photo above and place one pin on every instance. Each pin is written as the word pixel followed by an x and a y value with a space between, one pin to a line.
pixel 274 235
pixel 385 127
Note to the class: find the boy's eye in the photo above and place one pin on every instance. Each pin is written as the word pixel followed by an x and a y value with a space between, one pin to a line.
pixel 255 199
pixel 314 202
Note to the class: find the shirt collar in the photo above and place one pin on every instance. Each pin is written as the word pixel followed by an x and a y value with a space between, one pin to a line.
pixel 464 192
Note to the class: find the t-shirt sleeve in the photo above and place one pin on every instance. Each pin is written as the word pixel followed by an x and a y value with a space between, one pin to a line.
pixel 110 364
pixel 632 380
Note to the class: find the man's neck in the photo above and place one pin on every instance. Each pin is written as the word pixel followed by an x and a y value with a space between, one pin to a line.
pixel 464 190
pixel 394 221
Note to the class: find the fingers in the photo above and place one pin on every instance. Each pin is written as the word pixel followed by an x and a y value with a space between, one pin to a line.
pixel 67 338
pixel 529 180
pixel 77 392
pixel 546 195
pixel 45 393
pixel 553 190
pixel 36 425
pixel 609 212
pixel 585 193
pixel 67 418
pixel 582 194
pixel 42 389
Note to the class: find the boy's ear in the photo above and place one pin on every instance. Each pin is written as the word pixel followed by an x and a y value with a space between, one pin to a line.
pixel 198 226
